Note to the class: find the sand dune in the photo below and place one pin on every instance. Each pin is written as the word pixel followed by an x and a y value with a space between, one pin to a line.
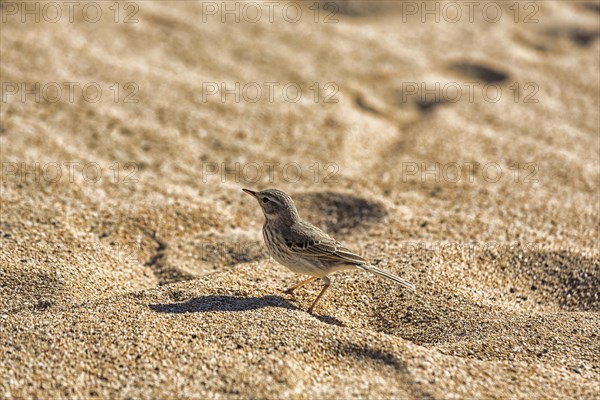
pixel 461 155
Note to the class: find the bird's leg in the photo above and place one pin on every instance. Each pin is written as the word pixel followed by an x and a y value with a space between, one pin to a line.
pixel 290 291
pixel 327 284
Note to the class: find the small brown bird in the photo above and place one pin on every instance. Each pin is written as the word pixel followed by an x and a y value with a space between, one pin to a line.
pixel 304 248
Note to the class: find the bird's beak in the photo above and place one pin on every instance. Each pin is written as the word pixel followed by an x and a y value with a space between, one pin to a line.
pixel 250 192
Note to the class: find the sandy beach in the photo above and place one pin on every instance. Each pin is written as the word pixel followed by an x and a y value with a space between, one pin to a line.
pixel 458 148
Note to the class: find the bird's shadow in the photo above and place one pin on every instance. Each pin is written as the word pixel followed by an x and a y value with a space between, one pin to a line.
pixel 233 303
pixel 223 303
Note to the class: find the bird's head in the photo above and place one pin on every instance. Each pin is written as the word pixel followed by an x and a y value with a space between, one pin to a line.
pixel 276 205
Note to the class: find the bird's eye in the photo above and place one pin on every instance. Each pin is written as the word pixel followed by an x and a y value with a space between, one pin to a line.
pixel 265 200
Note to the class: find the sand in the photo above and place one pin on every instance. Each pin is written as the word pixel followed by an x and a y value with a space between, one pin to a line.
pixel 132 264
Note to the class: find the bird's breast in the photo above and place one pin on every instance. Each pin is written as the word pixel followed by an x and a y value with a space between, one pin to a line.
pixel 281 253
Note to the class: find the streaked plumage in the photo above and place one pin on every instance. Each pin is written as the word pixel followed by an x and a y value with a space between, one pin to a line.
pixel 304 248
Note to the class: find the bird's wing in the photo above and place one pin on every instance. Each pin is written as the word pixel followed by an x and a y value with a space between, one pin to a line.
pixel 316 243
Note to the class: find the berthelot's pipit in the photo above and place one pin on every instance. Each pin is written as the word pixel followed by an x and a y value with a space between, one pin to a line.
pixel 304 248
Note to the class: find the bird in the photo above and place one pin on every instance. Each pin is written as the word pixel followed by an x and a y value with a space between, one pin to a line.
pixel 305 249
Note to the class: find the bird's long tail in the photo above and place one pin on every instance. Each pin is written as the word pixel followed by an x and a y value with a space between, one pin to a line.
pixel 387 275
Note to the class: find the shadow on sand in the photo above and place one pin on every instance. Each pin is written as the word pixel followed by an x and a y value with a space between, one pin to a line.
pixel 368 352
pixel 233 303
pixel 223 303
